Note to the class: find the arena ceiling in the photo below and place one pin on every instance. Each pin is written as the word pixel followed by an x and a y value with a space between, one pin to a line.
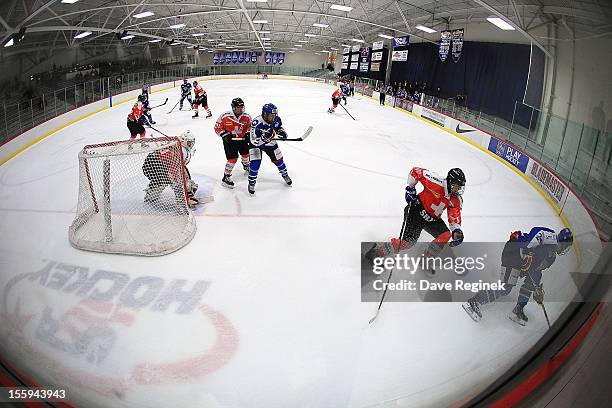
pixel 33 27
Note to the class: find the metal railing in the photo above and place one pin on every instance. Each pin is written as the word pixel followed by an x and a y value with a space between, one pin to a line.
pixel 18 117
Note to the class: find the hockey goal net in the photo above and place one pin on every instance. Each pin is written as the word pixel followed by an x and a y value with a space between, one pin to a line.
pixel 132 198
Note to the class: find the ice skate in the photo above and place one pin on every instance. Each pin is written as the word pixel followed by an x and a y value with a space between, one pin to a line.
pixel 518 316
pixel 472 308
pixel 226 181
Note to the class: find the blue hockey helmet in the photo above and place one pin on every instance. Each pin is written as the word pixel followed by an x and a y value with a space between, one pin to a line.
pixel 267 110
pixel 565 239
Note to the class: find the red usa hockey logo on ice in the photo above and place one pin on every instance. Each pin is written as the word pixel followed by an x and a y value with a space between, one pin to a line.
pixel 110 332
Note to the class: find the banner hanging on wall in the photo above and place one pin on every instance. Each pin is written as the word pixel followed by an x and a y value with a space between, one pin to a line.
pixel 345 65
pixel 401 41
pixel 377 56
pixel 254 57
pixel 345 58
pixel 375 67
pixel 281 57
pixel 355 48
pixel 399 55
pixel 241 57
pixel 378 45
pixel 346 50
pixel 354 57
pixel 353 65
pixel 216 59
pixel 364 59
pixel 457 44
pixel 274 58
pixel 445 39
pixel 268 57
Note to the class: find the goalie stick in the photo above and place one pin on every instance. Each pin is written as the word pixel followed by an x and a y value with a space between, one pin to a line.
pixel 406 211
pixel 298 139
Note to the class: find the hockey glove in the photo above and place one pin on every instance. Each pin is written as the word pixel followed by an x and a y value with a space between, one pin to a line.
pixel 411 194
pixel 457 237
pixel 281 133
pixel 226 136
pixel 538 295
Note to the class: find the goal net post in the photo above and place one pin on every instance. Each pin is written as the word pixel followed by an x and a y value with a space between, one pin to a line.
pixel 133 198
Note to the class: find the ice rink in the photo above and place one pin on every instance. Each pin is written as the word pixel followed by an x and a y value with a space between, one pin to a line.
pixel 262 308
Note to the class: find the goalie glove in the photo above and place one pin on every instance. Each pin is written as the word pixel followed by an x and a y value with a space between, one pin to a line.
pixel 457 237
pixel 538 294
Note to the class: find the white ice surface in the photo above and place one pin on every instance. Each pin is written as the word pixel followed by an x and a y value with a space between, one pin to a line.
pixel 282 317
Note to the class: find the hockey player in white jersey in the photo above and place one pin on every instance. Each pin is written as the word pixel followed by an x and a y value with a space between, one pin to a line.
pixel 524 256
pixel 264 129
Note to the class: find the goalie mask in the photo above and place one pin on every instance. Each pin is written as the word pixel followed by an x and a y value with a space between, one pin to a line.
pixel 188 140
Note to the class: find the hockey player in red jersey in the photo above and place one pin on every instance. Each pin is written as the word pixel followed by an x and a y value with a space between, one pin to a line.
pixel 424 212
pixel 135 120
pixel 234 124
pixel 200 99
pixel 335 100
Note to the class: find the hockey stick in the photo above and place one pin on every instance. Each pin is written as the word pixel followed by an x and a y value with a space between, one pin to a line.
pixel 157 130
pixel 541 304
pixel 299 139
pixel 406 211
pixel 165 102
pixel 171 110
pixel 347 111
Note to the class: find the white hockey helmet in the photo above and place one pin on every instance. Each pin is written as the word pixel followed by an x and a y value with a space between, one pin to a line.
pixel 188 139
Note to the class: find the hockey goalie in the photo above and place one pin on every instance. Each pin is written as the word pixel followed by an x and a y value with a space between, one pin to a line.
pixel 159 168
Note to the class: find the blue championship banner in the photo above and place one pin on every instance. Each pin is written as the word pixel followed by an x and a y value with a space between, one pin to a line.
pixel 216 59
pixel 222 58
pixel 274 57
pixel 281 57
pixel 401 41
pixel 254 57
pixel 234 57
pixel 509 154
pixel 445 40
pixel 241 57
pixel 268 58
pixel 457 46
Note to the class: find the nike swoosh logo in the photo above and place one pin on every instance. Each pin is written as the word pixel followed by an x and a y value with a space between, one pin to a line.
pixel 459 130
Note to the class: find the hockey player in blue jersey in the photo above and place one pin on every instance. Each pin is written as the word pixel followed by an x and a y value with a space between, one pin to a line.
pixel 345 91
pixel 147 118
pixel 525 255
pixel 264 129
pixel 185 94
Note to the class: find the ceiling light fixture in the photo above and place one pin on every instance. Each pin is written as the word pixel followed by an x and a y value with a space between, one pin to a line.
pixel 174 26
pixel 341 7
pixel 320 25
pixel 83 35
pixel 260 21
pixel 426 29
pixel 500 23
pixel 388 37
pixel 357 40
pixel 144 14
